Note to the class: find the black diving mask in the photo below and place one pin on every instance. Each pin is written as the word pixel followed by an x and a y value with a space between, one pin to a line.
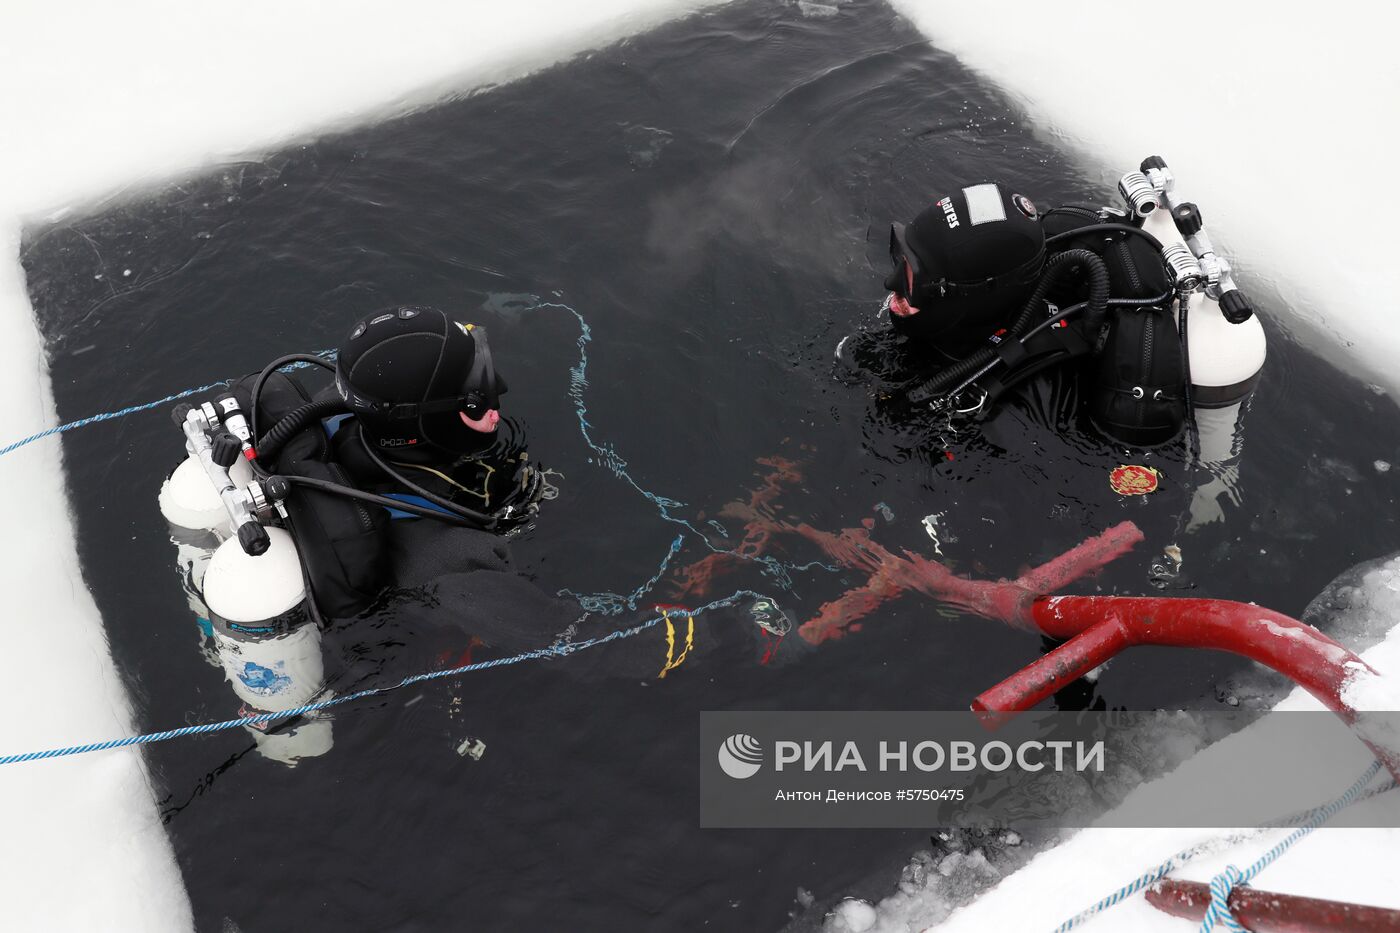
pixel 906 263
pixel 482 389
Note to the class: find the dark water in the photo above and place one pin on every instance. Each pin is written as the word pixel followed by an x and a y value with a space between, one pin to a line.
pixel 701 194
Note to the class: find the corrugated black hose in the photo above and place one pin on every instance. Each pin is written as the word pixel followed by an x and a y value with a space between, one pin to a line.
pixel 1193 440
pixel 1054 270
pixel 271 443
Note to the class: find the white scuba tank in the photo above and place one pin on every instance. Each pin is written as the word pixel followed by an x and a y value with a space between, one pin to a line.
pixel 1225 358
pixel 252 609
pixel 198 525
pixel 194 548
pixel 270 650
pixel 189 500
pixel 1225 361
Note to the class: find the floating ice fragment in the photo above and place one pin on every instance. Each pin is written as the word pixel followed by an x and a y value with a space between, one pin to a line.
pixel 851 916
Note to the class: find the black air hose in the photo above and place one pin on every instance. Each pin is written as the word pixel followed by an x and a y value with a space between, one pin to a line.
pixel 1193 440
pixel 1054 269
pixel 271 443
pixel 359 495
pixel 308 358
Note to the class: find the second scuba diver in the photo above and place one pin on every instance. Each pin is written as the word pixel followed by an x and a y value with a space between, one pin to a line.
pixel 988 292
pixel 1124 318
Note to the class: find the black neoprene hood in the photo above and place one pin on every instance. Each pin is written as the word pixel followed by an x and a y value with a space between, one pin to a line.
pixel 399 360
pixel 978 251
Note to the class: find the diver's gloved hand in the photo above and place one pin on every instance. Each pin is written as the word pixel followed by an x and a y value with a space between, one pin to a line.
pixel 527 489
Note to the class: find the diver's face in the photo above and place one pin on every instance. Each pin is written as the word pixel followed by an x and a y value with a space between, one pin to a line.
pixel 486 424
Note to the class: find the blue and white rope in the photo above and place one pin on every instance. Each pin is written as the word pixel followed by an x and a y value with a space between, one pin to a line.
pixel 107 416
pixel 1225 882
pixel 146 406
pixel 609 457
pixel 1313 819
pixel 613 603
pixel 1128 890
pixel 558 649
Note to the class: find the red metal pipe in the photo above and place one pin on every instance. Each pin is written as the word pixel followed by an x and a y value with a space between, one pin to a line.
pixel 1300 652
pixel 1267 912
pixel 1054 671
pixel 1098 627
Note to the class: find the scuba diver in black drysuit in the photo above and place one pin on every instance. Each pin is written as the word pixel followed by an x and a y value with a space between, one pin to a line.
pixel 411 429
pixel 987 293
pixel 1068 318
pixel 394 489
pixel 405 487
pixel 424 395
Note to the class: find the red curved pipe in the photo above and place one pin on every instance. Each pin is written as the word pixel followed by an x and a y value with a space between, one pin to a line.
pixel 1099 627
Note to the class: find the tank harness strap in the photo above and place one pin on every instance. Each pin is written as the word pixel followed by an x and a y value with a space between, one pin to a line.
pixel 1012 353
pixel 1051 347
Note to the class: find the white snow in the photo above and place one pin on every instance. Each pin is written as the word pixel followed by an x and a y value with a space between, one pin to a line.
pixel 1367 691
pixel 97 99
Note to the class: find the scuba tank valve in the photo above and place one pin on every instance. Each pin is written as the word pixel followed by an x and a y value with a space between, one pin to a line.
pixel 218 452
pixel 1214 269
pixel 230 412
pixel 1186 270
pixel 1138 193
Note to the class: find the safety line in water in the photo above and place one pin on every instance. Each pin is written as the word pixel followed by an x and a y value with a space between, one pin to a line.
pixel 558 649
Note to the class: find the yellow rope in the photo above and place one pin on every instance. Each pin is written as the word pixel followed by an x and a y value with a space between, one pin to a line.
pixel 671 642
